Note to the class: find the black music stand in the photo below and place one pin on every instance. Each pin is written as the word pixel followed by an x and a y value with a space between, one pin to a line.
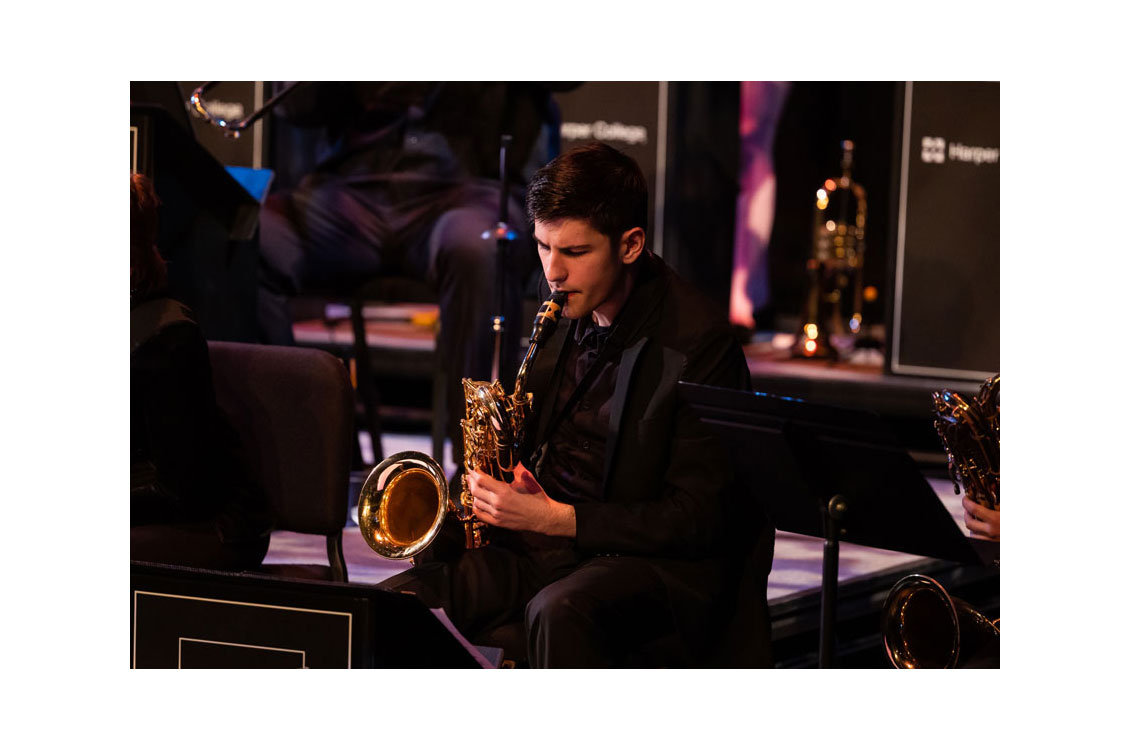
pixel 207 227
pixel 187 617
pixel 832 473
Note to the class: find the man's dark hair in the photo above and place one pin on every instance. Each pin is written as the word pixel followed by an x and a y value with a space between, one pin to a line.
pixel 594 182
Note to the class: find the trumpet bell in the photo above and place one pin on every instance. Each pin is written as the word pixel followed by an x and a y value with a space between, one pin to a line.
pixel 402 505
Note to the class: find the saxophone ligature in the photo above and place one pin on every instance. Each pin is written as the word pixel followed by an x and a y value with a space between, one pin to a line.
pixel 406 497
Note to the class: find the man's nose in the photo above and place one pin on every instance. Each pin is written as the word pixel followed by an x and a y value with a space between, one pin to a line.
pixel 555 272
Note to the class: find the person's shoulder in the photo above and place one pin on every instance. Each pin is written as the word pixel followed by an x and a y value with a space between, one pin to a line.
pixel 689 313
pixel 697 326
pixel 163 324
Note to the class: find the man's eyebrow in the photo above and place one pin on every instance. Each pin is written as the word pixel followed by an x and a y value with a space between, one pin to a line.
pixel 584 246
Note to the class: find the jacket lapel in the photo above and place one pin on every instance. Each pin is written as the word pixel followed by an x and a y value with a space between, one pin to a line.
pixel 545 378
pixel 639 317
pixel 616 413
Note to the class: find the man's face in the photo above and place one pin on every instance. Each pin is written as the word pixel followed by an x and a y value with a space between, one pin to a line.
pixel 579 260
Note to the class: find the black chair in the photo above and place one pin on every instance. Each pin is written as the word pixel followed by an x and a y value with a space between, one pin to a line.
pixel 293 409
pixel 396 289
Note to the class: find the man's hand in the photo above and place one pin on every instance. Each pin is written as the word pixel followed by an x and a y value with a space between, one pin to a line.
pixel 521 505
pixel 981 521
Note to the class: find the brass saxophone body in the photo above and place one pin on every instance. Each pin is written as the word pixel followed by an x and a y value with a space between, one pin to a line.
pixel 971 435
pixel 405 498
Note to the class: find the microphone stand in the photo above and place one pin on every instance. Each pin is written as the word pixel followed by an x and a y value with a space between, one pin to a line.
pixel 503 235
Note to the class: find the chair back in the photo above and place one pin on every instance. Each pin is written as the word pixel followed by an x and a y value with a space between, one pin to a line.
pixel 293 409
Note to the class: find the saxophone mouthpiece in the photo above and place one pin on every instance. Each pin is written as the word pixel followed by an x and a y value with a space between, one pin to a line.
pixel 548 316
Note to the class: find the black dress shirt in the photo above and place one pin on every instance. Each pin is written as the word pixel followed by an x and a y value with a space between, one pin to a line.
pixel 571 465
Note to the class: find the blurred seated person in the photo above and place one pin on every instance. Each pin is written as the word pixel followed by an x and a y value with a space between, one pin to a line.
pixel 982 522
pixel 406 183
pixel 191 500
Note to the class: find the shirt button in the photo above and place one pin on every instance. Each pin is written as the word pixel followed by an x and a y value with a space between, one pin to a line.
pixel 585 445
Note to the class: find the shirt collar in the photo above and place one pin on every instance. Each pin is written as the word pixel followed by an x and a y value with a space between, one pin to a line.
pixel 591 336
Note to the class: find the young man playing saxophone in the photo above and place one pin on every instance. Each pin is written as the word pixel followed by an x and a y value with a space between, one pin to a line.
pixel 617 528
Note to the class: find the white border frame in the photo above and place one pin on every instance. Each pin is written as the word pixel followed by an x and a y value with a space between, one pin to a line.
pixel 138 592
pixel 182 640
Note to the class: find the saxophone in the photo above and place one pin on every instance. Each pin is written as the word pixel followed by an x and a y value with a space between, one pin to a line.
pixel 922 625
pixel 405 499
pixel 971 436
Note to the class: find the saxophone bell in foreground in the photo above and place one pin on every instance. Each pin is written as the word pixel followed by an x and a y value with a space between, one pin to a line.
pixel 405 499
pixel 924 627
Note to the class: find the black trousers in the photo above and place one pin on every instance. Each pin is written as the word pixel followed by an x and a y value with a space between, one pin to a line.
pixel 331 235
pixel 593 612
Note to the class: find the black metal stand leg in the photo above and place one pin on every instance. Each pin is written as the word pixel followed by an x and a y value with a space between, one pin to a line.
pixel 439 406
pixel 503 235
pixel 370 399
pixel 829 586
pixel 335 552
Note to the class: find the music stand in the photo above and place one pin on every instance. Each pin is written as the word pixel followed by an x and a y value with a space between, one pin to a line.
pixel 833 473
pixel 182 617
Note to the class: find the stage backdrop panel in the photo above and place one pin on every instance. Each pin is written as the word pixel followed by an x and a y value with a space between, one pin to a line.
pixel 945 317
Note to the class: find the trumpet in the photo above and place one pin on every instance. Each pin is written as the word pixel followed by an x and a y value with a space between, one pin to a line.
pixel 405 499
pixel 834 270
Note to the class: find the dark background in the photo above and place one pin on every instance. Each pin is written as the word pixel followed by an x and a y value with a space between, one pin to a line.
pixel 702 179
pixel 701 189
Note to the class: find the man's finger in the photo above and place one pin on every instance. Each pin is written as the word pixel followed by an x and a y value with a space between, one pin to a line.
pixel 486 481
pixel 482 509
pixel 978 527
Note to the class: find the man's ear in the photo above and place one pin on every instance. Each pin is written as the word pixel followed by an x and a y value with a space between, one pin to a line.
pixel 632 244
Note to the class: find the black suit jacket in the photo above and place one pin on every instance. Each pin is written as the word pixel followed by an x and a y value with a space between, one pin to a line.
pixel 667 480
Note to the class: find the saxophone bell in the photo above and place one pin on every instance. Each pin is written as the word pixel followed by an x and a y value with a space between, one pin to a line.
pixel 923 627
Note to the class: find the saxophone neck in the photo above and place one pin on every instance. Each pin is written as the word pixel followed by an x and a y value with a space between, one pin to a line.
pixel 523 372
pixel 544 325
